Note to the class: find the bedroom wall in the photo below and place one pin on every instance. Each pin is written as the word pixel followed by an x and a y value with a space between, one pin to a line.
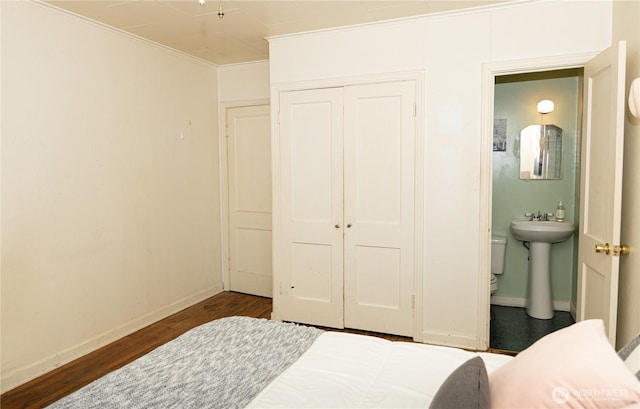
pixel 451 49
pixel 244 82
pixel 626 15
pixel 110 195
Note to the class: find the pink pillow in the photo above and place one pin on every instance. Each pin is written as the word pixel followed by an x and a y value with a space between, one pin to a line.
pixel 574 367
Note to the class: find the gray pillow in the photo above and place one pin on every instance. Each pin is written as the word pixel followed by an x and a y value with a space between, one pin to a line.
pixel 630 354
pixel 466 387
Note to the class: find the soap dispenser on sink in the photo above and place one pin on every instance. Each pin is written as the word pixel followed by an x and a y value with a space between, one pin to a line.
pixel 560 212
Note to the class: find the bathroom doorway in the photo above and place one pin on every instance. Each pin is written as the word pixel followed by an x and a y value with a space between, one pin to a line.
pixel 516 192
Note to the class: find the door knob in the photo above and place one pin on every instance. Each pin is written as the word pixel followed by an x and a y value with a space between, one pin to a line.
pixel 603 248
pixel 621 250
pixel 349 226
pixel 337 226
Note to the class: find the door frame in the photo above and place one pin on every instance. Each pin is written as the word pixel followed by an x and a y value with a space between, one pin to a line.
pixel 419 77
pixel 224 182
pixel 489 72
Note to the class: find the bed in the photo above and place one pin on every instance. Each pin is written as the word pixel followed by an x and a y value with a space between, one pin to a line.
pixel 240 362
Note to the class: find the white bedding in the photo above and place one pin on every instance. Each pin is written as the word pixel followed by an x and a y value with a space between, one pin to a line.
pixel 343 370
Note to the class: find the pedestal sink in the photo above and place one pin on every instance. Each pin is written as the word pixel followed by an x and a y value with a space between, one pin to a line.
pixel 540 234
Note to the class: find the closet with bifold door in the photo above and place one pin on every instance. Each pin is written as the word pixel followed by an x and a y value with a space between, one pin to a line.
pixel 344 207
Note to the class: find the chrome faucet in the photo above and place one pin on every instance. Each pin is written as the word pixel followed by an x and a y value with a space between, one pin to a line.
pixel 532 216
pixel 538 217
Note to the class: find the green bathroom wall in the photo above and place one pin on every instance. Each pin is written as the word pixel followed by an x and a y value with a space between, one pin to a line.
pixel 515 100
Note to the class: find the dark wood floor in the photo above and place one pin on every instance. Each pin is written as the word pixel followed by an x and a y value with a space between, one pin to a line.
pixel 62 381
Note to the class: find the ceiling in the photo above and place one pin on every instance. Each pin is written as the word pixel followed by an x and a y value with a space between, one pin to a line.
pixel 240 35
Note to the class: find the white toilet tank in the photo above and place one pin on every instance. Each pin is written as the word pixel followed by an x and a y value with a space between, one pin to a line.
pixel 498 251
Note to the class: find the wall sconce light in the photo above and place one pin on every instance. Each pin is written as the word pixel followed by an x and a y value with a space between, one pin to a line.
pixel 634 98
pixel 545 106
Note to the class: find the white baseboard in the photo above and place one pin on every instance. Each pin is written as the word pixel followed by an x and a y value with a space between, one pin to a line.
pixel 25 373
pixel 573 311
pixel 522 302
pixel 450 340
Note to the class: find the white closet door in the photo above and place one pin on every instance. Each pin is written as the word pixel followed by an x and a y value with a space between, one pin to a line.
pixel 249 170
pixel 309 254
pixel 379 172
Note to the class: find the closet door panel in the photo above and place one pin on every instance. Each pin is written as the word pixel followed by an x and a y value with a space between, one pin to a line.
pixel 379 206
pixel 310 281
pixel 379 270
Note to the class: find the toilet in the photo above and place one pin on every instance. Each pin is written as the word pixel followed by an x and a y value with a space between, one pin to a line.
pixel 498 251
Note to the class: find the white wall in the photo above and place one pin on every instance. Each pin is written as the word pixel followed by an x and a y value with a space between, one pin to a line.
pixel 451 50
pixel 243 82
pixel 626 15
pixel 110 196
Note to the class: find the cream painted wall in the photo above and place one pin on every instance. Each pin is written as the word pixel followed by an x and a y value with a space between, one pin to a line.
pixel 110 195
pixel 626 15
pixel 244 82
pixel 451 50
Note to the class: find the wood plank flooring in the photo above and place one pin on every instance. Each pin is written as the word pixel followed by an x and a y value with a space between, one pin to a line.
pixel 68 378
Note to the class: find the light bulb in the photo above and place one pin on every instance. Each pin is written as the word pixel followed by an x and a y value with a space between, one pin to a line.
pixel 545 106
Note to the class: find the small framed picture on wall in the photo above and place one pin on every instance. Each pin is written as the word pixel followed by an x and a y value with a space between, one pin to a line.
pixel 499 135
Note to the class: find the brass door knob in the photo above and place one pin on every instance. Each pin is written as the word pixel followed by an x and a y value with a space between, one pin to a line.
pixel 603 248
pixel 621 250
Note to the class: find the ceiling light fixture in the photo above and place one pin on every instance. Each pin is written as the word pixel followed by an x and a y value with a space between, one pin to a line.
pixel 220 8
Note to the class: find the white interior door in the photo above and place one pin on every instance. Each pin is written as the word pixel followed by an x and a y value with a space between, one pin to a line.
pixel 379 202
pixel 309 252
pixel 249 181
pixel 601 187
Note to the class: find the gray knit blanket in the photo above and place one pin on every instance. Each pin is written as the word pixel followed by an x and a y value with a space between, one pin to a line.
pixel 221 364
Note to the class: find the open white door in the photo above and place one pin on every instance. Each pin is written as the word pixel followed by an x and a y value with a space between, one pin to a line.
pixel 601 188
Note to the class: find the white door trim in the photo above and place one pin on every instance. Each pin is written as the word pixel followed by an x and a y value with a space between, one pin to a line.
pixel 489 72
pixel 224 181
pixel 419 77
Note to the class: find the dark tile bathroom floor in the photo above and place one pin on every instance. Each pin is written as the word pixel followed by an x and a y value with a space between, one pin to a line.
pixel 511 329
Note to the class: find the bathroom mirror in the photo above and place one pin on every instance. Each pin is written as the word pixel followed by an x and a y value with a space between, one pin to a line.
pixel 541 152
